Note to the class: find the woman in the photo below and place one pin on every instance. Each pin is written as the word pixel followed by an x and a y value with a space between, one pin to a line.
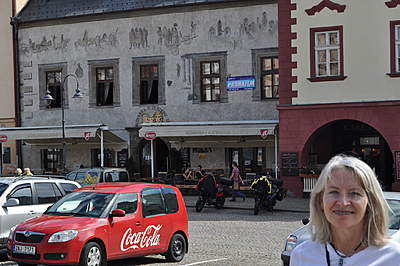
pixel 349 218
pixel 236 181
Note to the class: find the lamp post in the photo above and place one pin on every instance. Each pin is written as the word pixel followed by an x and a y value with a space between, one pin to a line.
pixel 77 95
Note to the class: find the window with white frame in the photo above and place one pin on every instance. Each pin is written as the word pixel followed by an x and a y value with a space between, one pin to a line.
pixel 397 47
pixel 327 53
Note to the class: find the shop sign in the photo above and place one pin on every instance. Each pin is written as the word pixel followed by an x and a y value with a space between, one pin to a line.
pixel 3 138
pixel 150 135
pixel 264 133
pixel 239 83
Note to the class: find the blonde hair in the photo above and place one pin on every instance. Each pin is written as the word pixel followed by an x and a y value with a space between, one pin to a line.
pixel 376 216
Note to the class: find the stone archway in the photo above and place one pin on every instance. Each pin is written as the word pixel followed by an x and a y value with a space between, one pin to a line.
pixel 346 135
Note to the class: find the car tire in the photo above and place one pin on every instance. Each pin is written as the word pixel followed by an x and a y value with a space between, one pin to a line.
pixel 199 205
pixel 92 255
pixel 177 248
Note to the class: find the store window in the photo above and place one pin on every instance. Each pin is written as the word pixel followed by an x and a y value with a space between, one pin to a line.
pixel 250 160
pixel 6 154
pixel 52 159
pixel 109 157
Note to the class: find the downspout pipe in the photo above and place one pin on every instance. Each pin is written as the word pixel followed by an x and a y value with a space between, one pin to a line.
pixel 15 26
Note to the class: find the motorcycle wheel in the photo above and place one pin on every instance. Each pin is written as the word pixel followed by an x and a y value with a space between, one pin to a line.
pixel 270 205
pixel 219 203
pixel 199 205
pixel 257 205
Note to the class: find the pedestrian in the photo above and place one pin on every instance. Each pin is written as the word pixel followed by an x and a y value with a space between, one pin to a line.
pixel 200 172
pixel 188 174
pixel 349 217
pixel 236 181
pixel 18 171
pixel 27 172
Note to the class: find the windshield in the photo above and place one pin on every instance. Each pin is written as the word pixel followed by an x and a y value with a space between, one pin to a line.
pixel 91 204
pixel 394 214
pixel 3 187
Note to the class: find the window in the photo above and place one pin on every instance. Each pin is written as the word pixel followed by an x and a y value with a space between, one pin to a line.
pixel 171 200
pixel 51 79
pixel 104 86
pixel 6 154
pixel 265 68
pixel 148 84
pixel 52 159
pixel 53 85
pixel 47 193
pixel 126 202
pixel 394 49
pixel 210 81
pixel 68 187
pixel 148 80
pixel 270 77
pixel 326 54
pixel 104 83
pixel 23 194
pixel 152 202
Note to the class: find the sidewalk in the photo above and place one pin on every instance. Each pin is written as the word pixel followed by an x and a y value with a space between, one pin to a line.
pixel 287 204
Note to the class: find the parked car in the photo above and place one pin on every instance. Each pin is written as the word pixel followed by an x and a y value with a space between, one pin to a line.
pixel 104 222
pixel 25 197
pixel 89 176
pixel 304 233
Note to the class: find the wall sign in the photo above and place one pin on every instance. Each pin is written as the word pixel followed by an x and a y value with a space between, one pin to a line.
pixel 289 164
pixel 241 83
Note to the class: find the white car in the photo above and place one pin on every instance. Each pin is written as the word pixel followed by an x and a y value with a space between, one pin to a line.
pixel 25 197
pixel 304 233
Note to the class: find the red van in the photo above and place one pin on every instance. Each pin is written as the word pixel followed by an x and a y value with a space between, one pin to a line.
pixel 104 222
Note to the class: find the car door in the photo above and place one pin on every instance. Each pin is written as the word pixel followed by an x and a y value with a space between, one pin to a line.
pixel 17 214
pixel 155 221
pixel 125 232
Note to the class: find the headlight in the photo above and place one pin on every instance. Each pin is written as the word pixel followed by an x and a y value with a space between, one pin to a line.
pixel 10 235
pixel 291 243
pixel 63 236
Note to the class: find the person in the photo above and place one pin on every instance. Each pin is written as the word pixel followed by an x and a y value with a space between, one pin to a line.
pixel 236 181
pixel 188 174
pixel 200 172
pixel 349 217
pixel 27 172
pixel 18 171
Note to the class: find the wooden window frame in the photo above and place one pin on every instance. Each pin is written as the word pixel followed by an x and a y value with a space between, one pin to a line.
pixel 272 72
pixel 150 79
pixel 210 76
pixel 105 82
pixel 394 49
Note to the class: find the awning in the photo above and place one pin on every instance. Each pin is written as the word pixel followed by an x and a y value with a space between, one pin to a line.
pixel 210 128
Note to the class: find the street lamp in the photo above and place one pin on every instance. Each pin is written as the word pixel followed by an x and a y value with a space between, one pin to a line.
pixel 49 98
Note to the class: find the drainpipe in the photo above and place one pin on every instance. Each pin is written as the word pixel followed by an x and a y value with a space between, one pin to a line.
pixel 15 24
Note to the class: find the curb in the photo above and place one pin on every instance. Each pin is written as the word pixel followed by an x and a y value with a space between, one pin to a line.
pixel 243 208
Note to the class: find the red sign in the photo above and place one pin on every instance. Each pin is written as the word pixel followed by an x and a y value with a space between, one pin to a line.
pixel 87 135
pixel 264 133
pixel 150 135
pixel 3 138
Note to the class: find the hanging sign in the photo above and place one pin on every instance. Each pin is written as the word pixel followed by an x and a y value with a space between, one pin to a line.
pixel 87 135
pixel 3 138
pixel 264 133
pixel 241 83
pixel 150 135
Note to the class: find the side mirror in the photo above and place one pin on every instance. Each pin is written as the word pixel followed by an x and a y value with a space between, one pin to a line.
pixel 117 213
pixel 11 202
pixel 305 221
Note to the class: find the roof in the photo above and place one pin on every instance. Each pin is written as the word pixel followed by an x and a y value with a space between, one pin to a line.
pixel 119 187
pixel 12 179
pixel 37 10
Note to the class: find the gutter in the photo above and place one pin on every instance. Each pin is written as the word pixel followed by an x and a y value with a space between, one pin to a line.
pixel 17 92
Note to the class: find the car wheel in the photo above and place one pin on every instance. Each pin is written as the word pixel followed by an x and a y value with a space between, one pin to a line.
pixel 219 203
pixel 92 255
pixel 199 205
pixel 177 248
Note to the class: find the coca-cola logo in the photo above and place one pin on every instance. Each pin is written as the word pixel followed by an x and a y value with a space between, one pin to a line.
pixel 148 238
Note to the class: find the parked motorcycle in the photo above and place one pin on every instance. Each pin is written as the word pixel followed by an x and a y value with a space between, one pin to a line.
pixel 211 192
pixel 267 191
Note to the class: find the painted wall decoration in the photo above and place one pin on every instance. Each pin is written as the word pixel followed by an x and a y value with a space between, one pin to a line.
pixel 98 41
pixel 138 38
pixel 250 29
pixel 172 38
pixel 153 114
pixel 53 43
pixel 79 71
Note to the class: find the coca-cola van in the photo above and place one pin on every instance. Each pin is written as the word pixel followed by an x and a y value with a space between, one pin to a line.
pixel 104 222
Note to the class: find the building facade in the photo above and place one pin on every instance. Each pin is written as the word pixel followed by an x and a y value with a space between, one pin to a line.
pixel 208 70
pixel 339 72
pixel 8 158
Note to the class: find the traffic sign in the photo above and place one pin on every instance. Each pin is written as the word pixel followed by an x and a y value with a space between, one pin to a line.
pixel 264 133
pixel 3 138
pixel 150 135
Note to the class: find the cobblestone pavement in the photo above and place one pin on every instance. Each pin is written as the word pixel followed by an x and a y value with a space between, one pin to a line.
pixel 233 235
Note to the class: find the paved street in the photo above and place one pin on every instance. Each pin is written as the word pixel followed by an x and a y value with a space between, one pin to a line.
pixel 233 235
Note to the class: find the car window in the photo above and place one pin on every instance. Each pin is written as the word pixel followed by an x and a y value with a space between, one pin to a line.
pixel 68 187
pixel 123 177
pixel 3 187
pixel 47 192
pixel 171 200
pixel 152 202
pixel 87 178
pixel 23 194
pixel 71 176
pixel 394 214
pixel 126 202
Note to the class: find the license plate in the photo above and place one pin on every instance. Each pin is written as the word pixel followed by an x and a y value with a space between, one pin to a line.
pixel 30 250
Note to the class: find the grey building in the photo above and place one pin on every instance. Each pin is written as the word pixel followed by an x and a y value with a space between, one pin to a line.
pixel 200 76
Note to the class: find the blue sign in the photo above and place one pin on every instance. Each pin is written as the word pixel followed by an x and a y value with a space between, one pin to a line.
pixel 241 83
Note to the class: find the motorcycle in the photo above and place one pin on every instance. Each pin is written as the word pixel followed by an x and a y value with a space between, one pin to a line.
pixel 211 192
pixel 267 191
